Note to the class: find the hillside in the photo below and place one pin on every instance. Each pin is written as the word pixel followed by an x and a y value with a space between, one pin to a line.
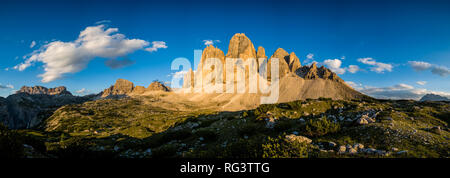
pixel 133 127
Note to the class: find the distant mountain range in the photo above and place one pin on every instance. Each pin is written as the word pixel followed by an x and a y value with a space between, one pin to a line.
pixel 433 97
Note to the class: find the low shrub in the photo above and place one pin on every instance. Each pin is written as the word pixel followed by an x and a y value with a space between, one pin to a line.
pixel 320 127
pixel 280 148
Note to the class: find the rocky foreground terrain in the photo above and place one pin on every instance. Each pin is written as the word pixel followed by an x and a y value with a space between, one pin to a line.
pixel 134 127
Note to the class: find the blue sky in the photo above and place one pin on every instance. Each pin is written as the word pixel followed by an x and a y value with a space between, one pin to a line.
pixel 384 33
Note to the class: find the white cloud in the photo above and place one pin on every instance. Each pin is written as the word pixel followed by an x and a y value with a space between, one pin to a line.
pixel 435 69
pixel 83 91
pixel 156 45
pixel 379 67
pixel 60 58
pixel 334 65
pixel 210 42
pixel 309 59
pixel 419 65
pixel 440 70
pixel 399 91
pixel 421 82
pixel 354 85
pixel 353 68
pixel 33 43
pixel 9 86
pixel 103 21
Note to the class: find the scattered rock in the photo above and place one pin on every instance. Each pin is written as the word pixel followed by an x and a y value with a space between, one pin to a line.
pixel 362 121
pixel 342 149
pixel 352 151
pixel 300 139
pixel 358 146
pixel 436 130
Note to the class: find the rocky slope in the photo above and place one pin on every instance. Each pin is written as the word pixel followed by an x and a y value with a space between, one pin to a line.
pixel 158 86
pixel 124 88
pixel 31 105
pixel 433 97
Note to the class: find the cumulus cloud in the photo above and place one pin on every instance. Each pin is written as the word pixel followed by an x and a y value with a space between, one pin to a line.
pixel 9 86
pixel 399 91
pixel 378 67
pixel 156 45
pixel 335 66
pixel 210 42
pixel 421 82
pixel 353 68
pixel 33 43
pixel 419 65
pixel 435 69
pixel 61 58
pixel 115 63
pixel 83 91
pixel 309 59
pixel 440 70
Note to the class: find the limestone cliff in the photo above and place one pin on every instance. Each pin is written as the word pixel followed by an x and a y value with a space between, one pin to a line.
pixel 36 90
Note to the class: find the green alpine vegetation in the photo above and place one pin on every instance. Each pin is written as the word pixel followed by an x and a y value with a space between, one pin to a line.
pixel 132 127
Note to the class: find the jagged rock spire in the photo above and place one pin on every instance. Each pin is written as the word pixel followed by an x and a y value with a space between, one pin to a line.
pixel 261 53
pixel 241 47
pixel 294 62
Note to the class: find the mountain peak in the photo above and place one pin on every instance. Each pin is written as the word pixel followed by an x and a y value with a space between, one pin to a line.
pixel 36 90
pixel 433 97
pixel 121 87
pixel 158 86
pixel 241 47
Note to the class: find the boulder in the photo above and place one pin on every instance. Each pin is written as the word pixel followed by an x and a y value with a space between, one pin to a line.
pixel 362 121
pixel 295 138
pixel 358 146
pixel 342 149
pixel 352 151
pixel 436 130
